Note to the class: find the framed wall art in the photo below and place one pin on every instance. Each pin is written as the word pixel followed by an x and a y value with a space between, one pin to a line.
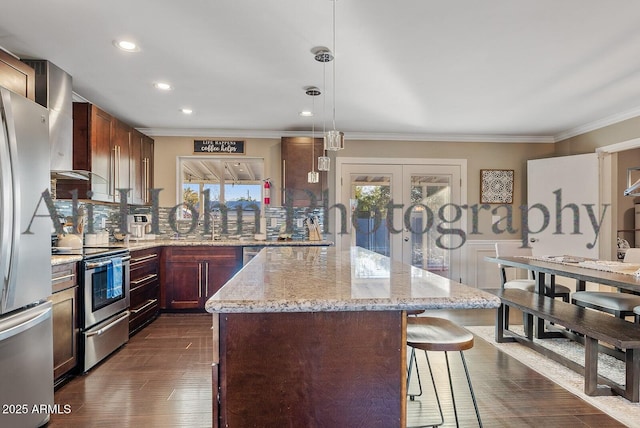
pixel 496 186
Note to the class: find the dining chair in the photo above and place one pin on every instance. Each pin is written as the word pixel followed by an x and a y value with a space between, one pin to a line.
pixel 514 249
pixel 619 304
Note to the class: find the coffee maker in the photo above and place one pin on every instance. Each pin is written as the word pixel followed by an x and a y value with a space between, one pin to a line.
pixel 140 226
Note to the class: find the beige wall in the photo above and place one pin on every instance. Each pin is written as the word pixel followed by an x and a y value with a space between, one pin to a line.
pixel 478 155
pixel 612 134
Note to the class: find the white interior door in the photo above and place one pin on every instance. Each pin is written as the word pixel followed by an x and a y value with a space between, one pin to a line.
pixel 396 210
pixel 567 187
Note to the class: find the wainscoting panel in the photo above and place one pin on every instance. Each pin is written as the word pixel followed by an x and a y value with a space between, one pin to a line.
pixel 479 272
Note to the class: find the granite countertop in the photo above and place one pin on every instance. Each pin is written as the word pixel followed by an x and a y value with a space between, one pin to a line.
pixel 317 279
pixel 58 259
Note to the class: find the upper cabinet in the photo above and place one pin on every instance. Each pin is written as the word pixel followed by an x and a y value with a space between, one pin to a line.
pixel 17 76
pixel 141 168
pixel 117 155
pixel 297 155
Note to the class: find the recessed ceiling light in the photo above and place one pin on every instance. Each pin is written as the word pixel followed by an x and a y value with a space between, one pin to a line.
pixel 126 45
pixel 162 86
pixel 186 110
pixel 306 113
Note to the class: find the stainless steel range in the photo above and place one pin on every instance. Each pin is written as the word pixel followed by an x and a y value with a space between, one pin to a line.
pixel 105 298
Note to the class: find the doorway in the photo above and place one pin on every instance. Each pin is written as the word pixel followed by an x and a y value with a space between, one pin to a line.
pixel 408 210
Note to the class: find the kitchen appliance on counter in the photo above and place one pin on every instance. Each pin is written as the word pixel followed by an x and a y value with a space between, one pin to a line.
pixel 105 303
pixel 140 227
pixel 26 337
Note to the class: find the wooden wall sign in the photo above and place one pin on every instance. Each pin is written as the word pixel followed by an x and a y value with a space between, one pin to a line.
pixel 218 146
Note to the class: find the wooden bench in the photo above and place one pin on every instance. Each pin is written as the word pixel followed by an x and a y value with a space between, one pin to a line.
pixel 593 325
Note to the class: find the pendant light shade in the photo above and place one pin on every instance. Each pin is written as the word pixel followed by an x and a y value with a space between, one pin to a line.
pixel 324 163
pixel 334 140
pixel 313 176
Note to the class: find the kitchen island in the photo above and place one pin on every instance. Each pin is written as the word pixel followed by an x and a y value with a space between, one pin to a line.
pixel 310 336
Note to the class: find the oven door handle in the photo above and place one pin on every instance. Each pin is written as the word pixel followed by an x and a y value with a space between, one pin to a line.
pixel 93 265
pixel 107 327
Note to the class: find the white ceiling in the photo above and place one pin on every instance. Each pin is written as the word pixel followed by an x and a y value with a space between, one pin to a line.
pixel 536 70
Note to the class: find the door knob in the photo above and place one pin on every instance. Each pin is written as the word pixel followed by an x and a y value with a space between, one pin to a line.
pixel 534 240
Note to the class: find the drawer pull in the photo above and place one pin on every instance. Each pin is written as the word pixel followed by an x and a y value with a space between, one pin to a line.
pixel 150 302
pixel 144 258
pixel 63 277
pixel 143 279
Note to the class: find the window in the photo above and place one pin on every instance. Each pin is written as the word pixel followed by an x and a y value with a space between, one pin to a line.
pixel 232 184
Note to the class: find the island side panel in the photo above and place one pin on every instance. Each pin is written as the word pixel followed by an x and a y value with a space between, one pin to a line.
pixel 312 369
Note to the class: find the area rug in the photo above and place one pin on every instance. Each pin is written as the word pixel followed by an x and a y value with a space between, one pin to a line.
pixel 615 406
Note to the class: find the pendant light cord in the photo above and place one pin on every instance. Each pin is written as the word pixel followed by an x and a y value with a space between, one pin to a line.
pixel 334 64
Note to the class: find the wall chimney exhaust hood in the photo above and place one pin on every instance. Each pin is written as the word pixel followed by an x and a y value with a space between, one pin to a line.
pixel 54 91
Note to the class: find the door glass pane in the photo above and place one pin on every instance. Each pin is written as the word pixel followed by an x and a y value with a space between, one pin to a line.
pixel 370 195
pixel 428 247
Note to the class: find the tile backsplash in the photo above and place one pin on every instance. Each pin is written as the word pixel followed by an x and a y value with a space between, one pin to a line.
pixel 107 217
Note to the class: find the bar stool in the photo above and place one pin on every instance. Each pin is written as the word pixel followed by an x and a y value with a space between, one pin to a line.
pixel 439 334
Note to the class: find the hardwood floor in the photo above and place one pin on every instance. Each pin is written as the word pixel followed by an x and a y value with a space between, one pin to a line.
pixel 162 378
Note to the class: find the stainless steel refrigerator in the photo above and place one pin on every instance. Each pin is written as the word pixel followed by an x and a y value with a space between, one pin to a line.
pixel 26 338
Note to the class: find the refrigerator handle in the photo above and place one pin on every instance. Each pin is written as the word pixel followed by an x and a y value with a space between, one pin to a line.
pixel 23 326
pixel 7 205
pixel 12 198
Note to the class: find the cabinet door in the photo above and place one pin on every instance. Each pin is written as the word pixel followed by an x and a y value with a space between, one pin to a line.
pixel 141 167
pixel 137 169
pixel 100 155
pixel 296 163
pixel 147 168
pixel 65 317
pixel 120 146
pixel 191 275
pixel 17 76
pixel 220 268
pixel 184 280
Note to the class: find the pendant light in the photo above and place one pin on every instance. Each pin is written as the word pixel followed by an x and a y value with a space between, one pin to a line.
pixel 324 161
pixel 313 176
pixel 334 139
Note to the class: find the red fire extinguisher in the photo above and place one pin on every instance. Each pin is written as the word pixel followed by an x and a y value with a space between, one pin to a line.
pixel 266 192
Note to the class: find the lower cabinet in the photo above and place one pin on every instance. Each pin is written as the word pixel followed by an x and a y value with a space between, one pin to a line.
pixel 65 318
pixel 193 274
pixel 144 304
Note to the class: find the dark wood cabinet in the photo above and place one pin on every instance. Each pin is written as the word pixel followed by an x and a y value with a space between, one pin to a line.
pixel 141 168
pixel 117 155
pixel 145 288
pixel 193 274
pixel 92 151
pixel 120 149
pixel 65 318
pixel 296 154
pixel 17 76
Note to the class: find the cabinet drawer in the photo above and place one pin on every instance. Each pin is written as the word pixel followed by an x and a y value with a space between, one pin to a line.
pixel 144 262
pixel 188 253
pixel 63 277
pixel 144 307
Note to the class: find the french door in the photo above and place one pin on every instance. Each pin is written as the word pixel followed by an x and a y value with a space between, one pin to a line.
pixel 407 211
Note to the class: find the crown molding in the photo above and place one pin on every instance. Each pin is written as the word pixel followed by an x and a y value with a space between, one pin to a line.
pixel 239 133
pixel 597 124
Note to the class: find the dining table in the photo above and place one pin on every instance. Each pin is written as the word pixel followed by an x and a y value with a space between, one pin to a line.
pixel 617 274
